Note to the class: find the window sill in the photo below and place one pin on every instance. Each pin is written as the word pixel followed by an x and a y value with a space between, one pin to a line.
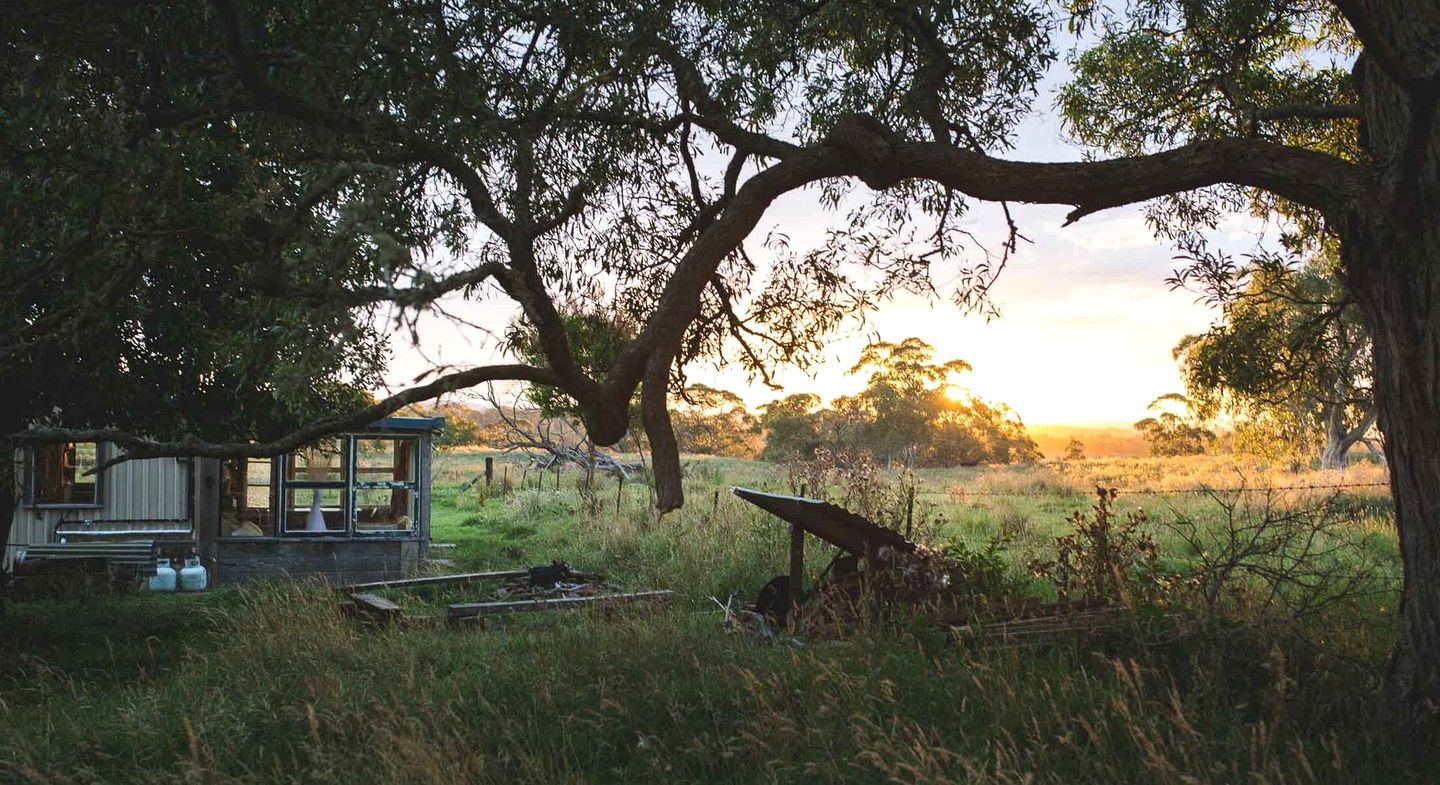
pixel 318 537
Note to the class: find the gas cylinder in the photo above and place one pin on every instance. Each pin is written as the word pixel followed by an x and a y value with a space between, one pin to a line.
pixel 164 577
pixel 193 576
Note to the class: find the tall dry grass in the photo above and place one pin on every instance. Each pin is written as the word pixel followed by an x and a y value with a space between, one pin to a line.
pixel 271 684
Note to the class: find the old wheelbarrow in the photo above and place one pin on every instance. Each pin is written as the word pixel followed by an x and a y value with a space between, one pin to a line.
pixel 866 550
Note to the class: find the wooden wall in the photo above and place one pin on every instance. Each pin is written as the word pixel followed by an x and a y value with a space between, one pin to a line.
pixel 335 559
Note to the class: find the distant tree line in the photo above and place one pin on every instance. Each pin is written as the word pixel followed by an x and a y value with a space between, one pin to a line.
pixel 1287 364
pixel 909 412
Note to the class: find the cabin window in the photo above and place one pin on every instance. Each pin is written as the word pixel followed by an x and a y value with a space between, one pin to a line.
pixel 314 493
pixel 247 497
pixel 341 486
pixel 385 489
pixel 63 475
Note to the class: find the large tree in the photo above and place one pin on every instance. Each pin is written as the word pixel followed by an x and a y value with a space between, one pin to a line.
pixel 1289 359
pixel 911 411
pixel 626 151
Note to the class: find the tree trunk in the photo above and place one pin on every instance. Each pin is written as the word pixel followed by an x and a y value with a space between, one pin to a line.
pixel 1338 439
pixel 9 499
pixel 1406 330
pixel 1391 252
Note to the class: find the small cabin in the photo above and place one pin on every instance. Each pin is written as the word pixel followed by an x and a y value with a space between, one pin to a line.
pixel 350 507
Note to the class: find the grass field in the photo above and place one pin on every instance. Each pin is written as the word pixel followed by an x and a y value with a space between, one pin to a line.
pixel 271 684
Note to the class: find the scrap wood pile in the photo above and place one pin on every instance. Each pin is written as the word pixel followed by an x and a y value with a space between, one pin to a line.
pixel 877 567
pixel 543 587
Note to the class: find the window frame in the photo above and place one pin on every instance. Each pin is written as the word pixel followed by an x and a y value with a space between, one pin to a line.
pixel 32 467
pixel 412 485
pixel 284 485
pixel 348 487
pixel 272 494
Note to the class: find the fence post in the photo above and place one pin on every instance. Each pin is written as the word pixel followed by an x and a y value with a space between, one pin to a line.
pixel 910 512
pixel 797 562
pixel 489 471
pixel 619 492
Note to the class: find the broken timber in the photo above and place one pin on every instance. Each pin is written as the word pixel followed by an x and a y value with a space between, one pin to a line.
pixel 436 580
pixel 835 525
pixel 375 607
pixel 470 611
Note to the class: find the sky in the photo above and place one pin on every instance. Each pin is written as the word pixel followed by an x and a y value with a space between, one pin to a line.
pixel 1086 322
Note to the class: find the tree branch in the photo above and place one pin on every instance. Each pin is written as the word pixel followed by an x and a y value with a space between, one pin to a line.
pixel 138 447
pixel 1308 112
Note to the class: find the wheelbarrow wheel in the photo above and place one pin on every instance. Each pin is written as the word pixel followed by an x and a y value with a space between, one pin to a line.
pixel 773 602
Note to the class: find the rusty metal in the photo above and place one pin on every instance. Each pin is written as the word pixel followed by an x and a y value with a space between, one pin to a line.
pixel 836 525
pixel 866 549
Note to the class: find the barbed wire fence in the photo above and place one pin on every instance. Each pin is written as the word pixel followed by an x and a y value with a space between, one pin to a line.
pixel 954 492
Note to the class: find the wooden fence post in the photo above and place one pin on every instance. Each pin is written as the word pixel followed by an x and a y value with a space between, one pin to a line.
pixel 910 513
pixel 797 563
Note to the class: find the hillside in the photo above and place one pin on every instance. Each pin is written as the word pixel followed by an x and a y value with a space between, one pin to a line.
pixel 1102 440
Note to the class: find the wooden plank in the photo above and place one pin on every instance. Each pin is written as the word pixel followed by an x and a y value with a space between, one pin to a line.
pixel 797 564
pixel 207 513
pixel 376 607
pixel 336 561
pixel 835 525
pixel 475 610
pixel 437 580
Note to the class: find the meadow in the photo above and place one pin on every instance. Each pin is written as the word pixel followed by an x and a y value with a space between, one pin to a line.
pixel 270 683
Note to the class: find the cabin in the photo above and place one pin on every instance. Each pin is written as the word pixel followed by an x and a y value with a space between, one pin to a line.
pixel 351 507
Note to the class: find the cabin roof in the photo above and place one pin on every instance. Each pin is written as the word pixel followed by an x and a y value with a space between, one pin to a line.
pixel 409 424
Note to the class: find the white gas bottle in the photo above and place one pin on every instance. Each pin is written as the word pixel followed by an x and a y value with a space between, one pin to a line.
pixel 164 577
pixel 193 576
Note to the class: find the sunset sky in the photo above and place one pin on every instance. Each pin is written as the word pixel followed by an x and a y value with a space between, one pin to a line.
pixel 1086 322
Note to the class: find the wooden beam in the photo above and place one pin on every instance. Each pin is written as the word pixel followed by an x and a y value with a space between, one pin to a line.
pixel 376 607
pixel 473 610
pixel 797 565
pixel 436 580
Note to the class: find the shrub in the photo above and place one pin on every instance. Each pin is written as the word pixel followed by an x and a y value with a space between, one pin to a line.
pixel 1105 557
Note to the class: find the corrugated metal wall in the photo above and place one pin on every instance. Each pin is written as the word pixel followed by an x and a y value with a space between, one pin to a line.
pixel 155 489
pixel 152 494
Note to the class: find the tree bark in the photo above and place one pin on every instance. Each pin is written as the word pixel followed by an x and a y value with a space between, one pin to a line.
pixel 1405 324
pixel 1392 257
pixel 9 499
pixel 1338 439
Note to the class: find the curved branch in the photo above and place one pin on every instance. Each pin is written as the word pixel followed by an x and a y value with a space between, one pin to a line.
pixel 137 447
pixel 407 296
pixel 1314 179
pixel 859 146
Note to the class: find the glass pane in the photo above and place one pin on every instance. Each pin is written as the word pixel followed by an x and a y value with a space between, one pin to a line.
pixel 314 509
pixel 384 509
pixel 61 473
pixel 245 500
pixel 384 460
pixel 323 461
